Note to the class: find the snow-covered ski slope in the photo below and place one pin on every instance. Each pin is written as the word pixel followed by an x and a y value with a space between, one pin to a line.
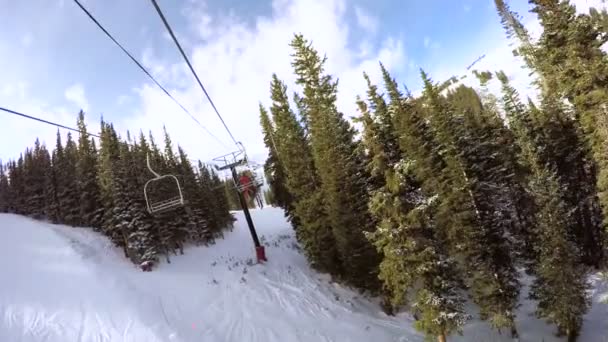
pixel 69 284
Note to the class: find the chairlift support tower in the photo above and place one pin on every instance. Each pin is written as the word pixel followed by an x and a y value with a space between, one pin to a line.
pixel 231 161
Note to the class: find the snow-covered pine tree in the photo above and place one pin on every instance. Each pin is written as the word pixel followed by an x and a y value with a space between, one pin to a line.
pixel 313 229
pixel 4 189
pixel 142 237
pixel 36 161
pixel 464 175
pixel 274 169
pixel 129 218
pixel 15 185
pixel 91 210
pixel 208 204
pixel 221 202
pixel 567 59
pixel 230 194
pixel 415 264
pixel 212 202
pixel 26 166
pixel 379 138
pixel 53 183
pixel 340 166
pixel 162 221
pixel 109 155
pixel 560 285
pixel 198 213
pixel 69 196
pixel 51 203
pixel 177 230
pixel 122 214
pixel 557 265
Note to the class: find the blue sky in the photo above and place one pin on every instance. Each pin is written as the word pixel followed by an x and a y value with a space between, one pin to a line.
pixel 56 61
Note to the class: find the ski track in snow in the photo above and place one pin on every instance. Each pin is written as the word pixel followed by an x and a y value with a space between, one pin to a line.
pixel 70 284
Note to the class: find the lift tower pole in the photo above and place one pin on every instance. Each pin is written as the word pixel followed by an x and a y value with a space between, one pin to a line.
pixel 231 161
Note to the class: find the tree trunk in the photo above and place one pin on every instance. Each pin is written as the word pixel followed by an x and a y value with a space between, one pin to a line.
pixel 572 335
pixel 514 333
pixel 441 338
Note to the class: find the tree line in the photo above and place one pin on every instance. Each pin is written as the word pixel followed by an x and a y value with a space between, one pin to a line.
pixel 80 184
pixel 450 195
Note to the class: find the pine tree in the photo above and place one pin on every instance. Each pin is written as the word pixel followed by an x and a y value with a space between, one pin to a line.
pixel 213 200
pixel 379 135
pixel 229 190
pixel 221 201
pixel 557 266
pixel 174 230
pixel 128 215
pixel 91 210
pixel 207 202
pixel 199 212
pixel 35 163
pixel 568 61
pixel 69 195
pixel 312 226
pixel 525 133
pixel 4 189
pixel 53 183
pixel 273 168
pixel 472 203
pixel 559 273
pixel 15 175
pixel 340 166
pixel 142 240
pixel 414 262
pixel 109 155
pixel 163 221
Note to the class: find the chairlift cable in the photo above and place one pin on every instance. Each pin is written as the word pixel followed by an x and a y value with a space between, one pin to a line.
pixel 47 122
pixel 166 23
pixel 146 71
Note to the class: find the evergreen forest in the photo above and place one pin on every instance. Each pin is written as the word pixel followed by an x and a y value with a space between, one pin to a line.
pixel 429 200
pixel 452 194
pixel 81 184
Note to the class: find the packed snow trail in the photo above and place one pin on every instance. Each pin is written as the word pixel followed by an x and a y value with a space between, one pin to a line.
pixel 70 284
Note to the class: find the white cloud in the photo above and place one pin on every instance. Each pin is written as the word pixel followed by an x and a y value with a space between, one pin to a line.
pixel 467 8
pixel 122 99
pixel 365 20
pixel 235 64
pixel 76 95
pixel 426 42
pixel 21 132
pixel 14 90
pixel 26 40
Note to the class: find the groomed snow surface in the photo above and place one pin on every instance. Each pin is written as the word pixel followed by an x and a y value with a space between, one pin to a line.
pixel 63 284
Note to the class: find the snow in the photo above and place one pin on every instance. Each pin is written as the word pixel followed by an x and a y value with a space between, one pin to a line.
pixel 70 284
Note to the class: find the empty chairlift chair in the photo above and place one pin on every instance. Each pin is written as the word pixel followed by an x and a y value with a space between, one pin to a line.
pixel 167 200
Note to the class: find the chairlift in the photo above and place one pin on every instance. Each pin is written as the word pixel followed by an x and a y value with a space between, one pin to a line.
pixel 256 179
pixel 157 206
